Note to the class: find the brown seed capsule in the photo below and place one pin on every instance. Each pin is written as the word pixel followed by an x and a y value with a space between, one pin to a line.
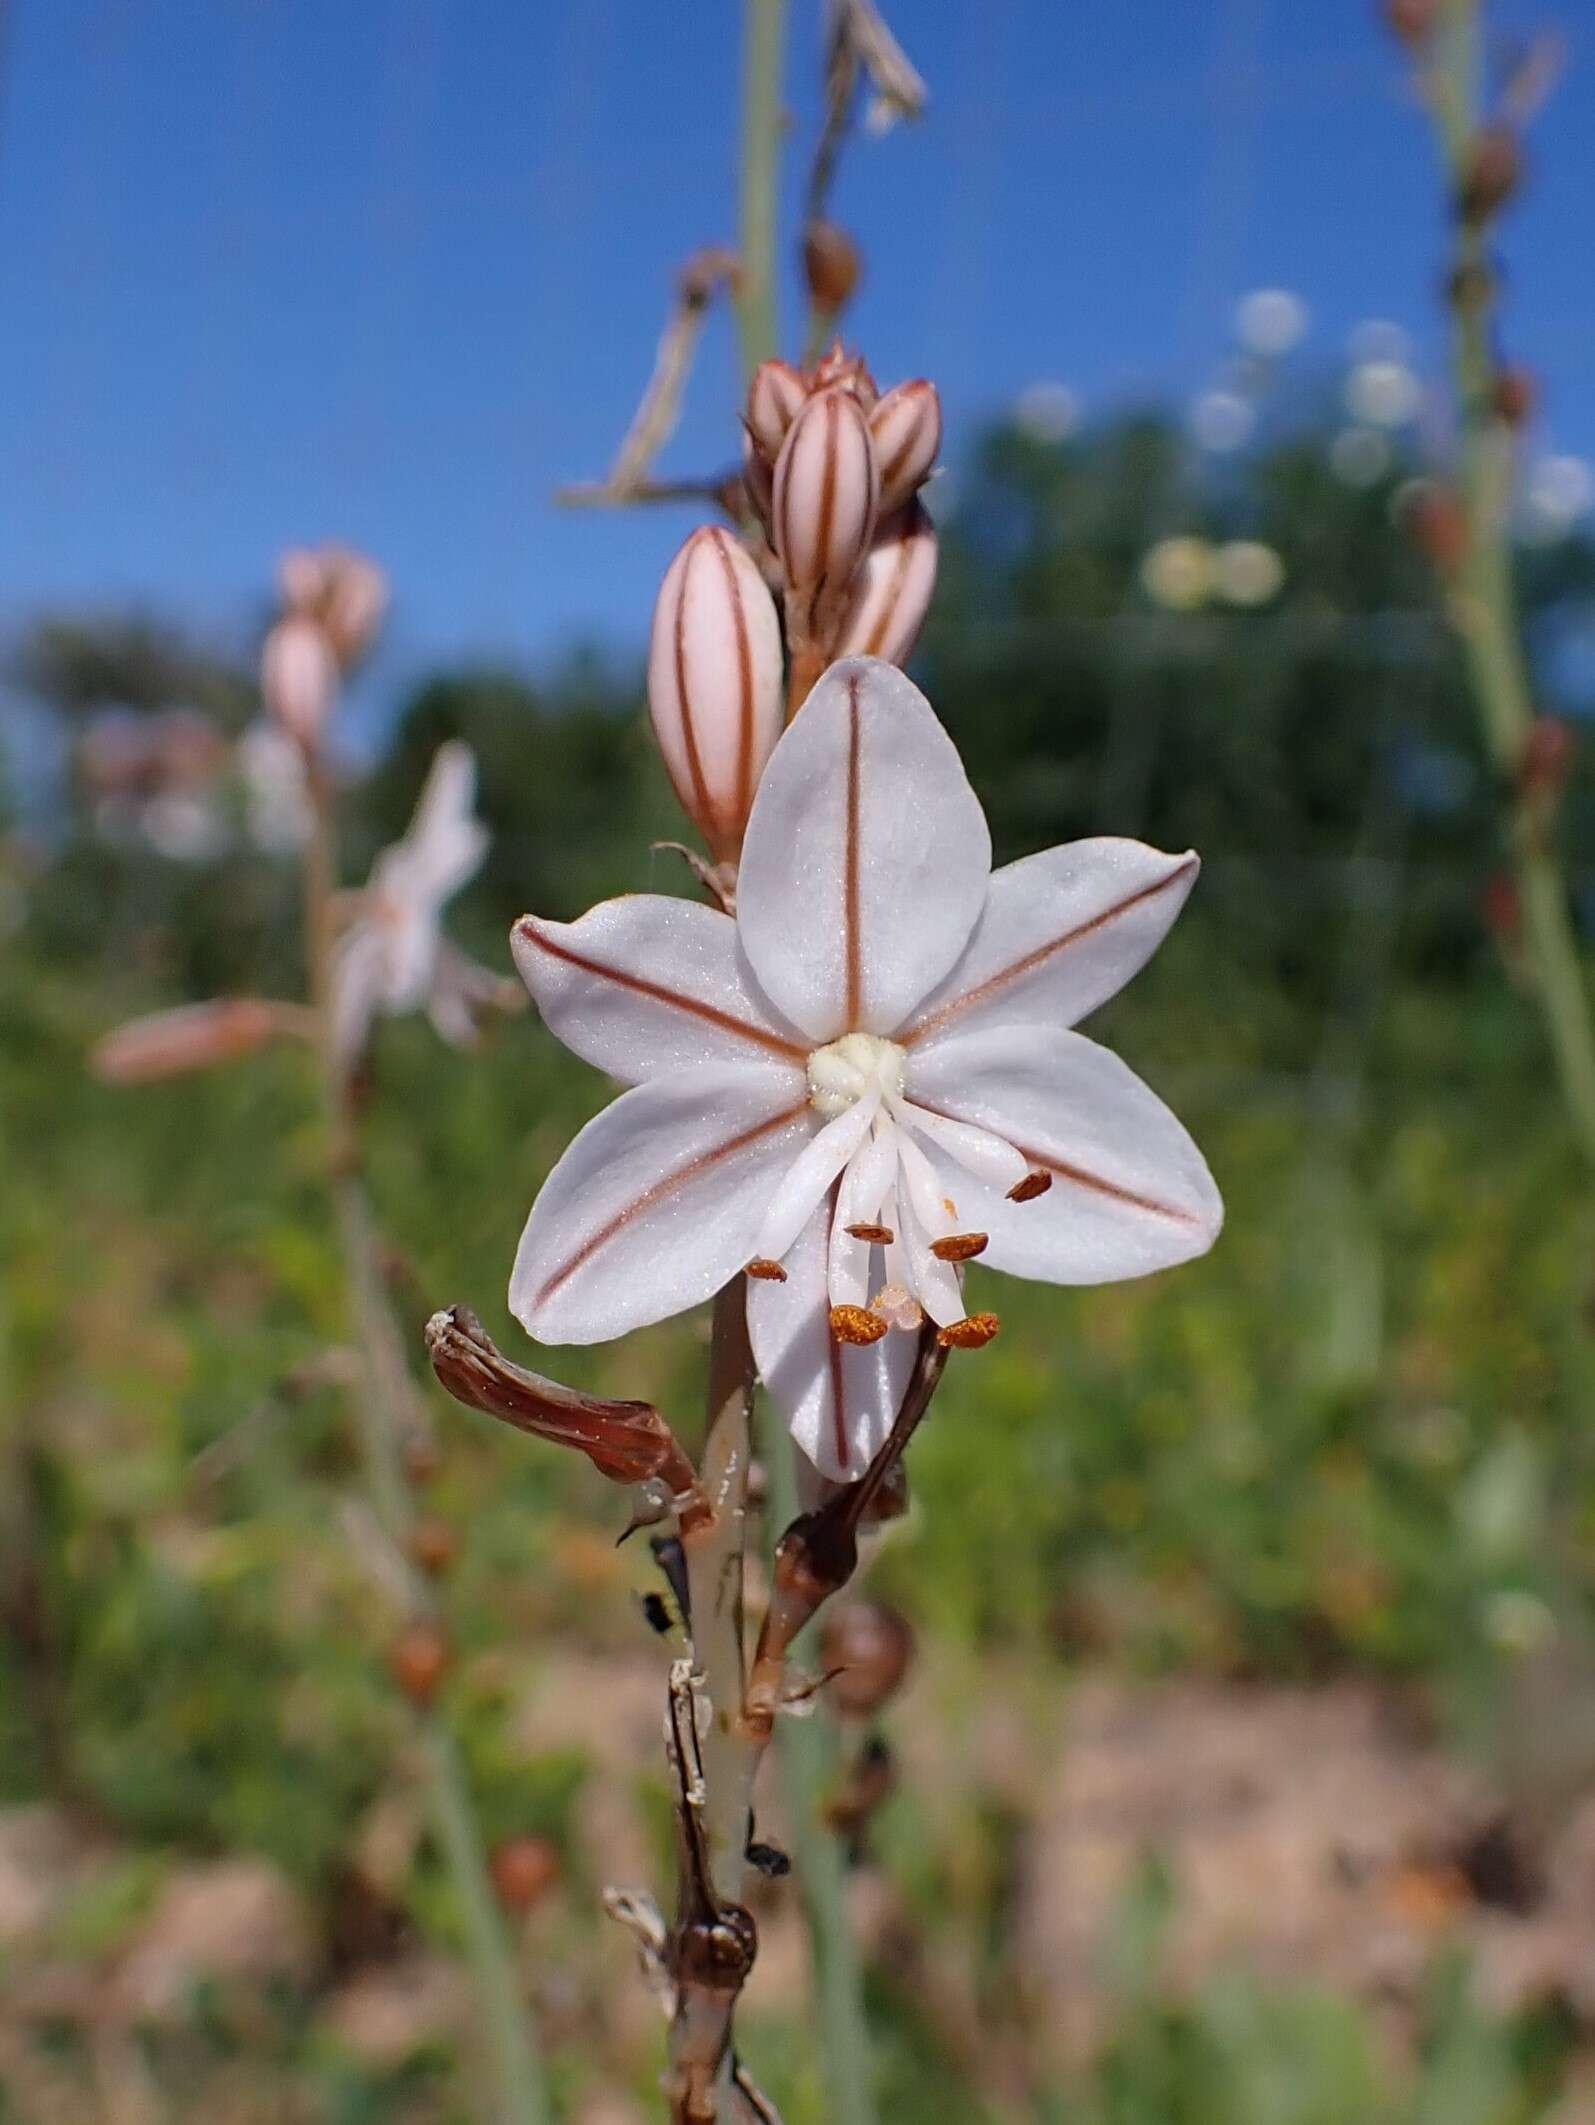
pixel 827 494
pixel 774 396
pixel 1514 397
pixel 856 1324
pixel 831 265
pixel 867 1646
pixel 1411 20
pixel 524 1869
pixel 1492 174
pixel 715 693
pixel 960 1246
pixel 906 425
pixel 433 1546
pixel 973 1332
pixel 417 1660
pixel 1030 1187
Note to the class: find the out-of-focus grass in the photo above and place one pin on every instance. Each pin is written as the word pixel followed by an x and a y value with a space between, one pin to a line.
pixel 1353 1435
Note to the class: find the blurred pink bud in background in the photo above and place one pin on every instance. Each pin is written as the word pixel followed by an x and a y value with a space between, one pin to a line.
pixel 299 676
pixel 906 425
pixel 342 590
pixel 714 683
pixel 893 590
pixel 827 493
pixel 774 397
pixel 194 1037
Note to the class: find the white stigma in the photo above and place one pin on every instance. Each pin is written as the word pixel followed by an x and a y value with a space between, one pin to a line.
pixel 842 1073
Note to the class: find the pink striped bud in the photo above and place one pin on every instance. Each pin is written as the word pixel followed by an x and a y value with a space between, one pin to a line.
pixel 892 592
pixel 299 676
pixel 837 369
pixel 827 493
pixel 714 684
pixel 774 397
pixel 195 1036
pixel 758 480
pixel 906 425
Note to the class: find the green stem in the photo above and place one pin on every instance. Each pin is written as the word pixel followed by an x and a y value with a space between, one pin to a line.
pixel 808 1770
pixel 1484 602
pixel 764 28
pixel 388 1404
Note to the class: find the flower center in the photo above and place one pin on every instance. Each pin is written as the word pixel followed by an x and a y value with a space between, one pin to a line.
pixel 841 1073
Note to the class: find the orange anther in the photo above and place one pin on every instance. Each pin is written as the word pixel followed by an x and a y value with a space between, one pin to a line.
pixel 972 1333
pixel 1033 1184
pixel 771 1272
pixel 960 1246
pixel 877 1235
pixel 856 1324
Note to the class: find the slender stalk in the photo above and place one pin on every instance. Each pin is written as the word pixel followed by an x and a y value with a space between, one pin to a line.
pixel 808 1769
pixel 387 1406
pixel 1484 604
pixel 764 35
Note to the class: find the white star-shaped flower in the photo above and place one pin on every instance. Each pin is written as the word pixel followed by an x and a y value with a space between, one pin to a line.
pixel 863 1079
pixel 393 957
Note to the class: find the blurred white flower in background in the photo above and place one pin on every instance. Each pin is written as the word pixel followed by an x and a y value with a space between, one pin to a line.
pixel 1377 339
pixel 1046 412
pixel 271 767
pixel 1247 572
pixel 1383 394
pixel 1359 456
pixel 1270 322
pixel 393 956
pixel 1177 573
pixel 1557 492
pixel 1222 420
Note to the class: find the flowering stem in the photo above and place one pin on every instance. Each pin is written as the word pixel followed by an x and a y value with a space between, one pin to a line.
pixel 387 1405
pixel 1483 600
pixel 808 1768
pixel 764 26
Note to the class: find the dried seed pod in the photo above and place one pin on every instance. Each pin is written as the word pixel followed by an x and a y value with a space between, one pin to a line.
pixel 906 426
pixel 433 1546
pixel 892 591
pixel 827 494
pixel 418 1659
pixel 831 265
pixel 523 1869
pixel 714 684
pixel 774 396
pixel 299 676
pixel 867 1647
pixel 1493 172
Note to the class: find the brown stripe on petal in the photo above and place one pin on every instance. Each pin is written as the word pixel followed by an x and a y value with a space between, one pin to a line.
pixel 744 778
pixel 828 486
pixel 702 808
pixel 851 941
pixel 1042 952
pixel 660 1192
pixel 689 1006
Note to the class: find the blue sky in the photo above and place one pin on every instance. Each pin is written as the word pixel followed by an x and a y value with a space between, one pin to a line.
pixel 391 270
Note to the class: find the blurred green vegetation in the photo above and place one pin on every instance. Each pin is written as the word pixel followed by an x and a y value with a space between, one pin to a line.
pixel 1353 1440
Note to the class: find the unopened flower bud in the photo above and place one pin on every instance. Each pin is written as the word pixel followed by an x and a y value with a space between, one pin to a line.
pixel 827 493
pixel 356 599
pixel 836 369
pixel 831 265
pixel 892 591
pixel 417 1660
pixel 906 425
pixel 1492 174
pixel 866 1647
pixel 195 1036
pixel 774 396
pixel 299 676
pixel 714 683
pixel 523 1869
